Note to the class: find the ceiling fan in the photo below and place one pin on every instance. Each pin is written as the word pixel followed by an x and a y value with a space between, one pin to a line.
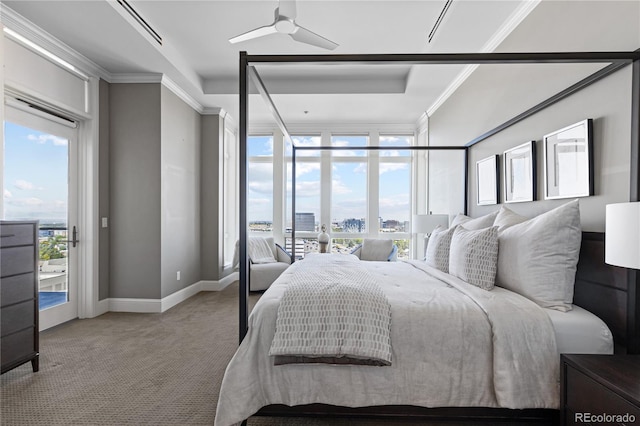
pixel 285 23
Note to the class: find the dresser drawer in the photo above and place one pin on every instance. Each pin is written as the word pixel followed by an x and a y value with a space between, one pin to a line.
pixel 17 260
pixel 18 234
pixel 16 317
pixel 17 289
pixel 17 347
pixel 588 396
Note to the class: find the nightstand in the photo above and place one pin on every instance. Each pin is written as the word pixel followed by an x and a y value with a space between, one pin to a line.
pixel 600 389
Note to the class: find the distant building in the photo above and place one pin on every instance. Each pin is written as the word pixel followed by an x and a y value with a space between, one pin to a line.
pixel 391 224
pixel 305 222
pixel 353 225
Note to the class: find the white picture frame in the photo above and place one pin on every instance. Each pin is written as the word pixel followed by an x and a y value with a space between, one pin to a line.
pixel 520 173
pixel 568 161
pixel 487 187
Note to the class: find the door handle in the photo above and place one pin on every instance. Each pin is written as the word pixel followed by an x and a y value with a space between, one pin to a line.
pixel 74 237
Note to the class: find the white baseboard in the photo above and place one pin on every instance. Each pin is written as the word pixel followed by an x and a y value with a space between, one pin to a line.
pixel 102 307
pixel 179 296
pixel 160 305
pixel 220 284
pixel 147 306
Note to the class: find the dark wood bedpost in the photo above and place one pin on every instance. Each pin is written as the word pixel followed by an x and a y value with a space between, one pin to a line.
pixel 244 262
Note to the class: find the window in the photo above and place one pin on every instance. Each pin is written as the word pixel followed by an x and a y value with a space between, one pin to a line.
pixel 260 184
pixel 308 182
pixel 349 189
pixel 394 186
pixel 356 193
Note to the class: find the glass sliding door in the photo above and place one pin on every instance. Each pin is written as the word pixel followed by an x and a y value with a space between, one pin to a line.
pixel 39 179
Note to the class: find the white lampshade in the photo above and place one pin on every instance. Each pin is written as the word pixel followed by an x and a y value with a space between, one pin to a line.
pixel 426 223
pixel 622 235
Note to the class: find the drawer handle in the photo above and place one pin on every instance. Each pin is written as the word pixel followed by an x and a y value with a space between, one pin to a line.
pixel 7 235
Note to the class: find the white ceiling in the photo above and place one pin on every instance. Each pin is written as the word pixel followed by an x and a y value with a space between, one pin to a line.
pixel 196 55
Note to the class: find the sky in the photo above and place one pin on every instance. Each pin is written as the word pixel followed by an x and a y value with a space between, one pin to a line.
pixel 35 175
pixel 349 180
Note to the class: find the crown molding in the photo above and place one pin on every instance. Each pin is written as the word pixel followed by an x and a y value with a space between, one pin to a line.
pixel 214 111
pixel 498 37
pixel 181 93
pixel 29 30
pixel 136 78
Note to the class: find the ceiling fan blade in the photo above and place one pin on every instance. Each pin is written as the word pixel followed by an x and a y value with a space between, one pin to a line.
pixel 258 32
pixel 303 35
pixel 287 8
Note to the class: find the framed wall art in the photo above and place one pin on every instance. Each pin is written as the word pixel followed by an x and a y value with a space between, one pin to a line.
pixel 520 173
pixel 487 172
pixel 568 161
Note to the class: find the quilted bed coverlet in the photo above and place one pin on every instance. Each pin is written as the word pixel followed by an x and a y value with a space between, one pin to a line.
pixel 454 345
pixel 333 311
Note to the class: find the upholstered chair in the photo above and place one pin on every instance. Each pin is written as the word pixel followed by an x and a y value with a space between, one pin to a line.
pixel 376 249
pixel 267 260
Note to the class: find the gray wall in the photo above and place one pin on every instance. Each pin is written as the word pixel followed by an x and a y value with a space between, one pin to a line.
pixel 180 200
pixel 103 190
pixel 212 137
pixel 135 191
pixel 494 94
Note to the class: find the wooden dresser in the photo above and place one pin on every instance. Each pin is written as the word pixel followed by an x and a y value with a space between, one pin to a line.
pixel 18 294
pixel 600 389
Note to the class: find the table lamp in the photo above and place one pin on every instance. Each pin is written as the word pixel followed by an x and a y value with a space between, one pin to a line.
pixel 425 224
pixel 622 235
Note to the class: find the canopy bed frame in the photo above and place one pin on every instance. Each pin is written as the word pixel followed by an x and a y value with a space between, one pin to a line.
pixel 595 281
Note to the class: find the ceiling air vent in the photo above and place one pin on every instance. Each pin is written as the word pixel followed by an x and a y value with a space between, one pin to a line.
pixel 141 21
pixel 439 20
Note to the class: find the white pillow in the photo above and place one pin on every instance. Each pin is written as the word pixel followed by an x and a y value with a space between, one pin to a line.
pixel 537 258
pixel 437 254
pixel 507 218
pixel 477 223
pixel 376 249
pixel 473 256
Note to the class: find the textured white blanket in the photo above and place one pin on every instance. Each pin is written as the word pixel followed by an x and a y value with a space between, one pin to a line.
pixel 333 311
pixel 259 251
pixel 452 347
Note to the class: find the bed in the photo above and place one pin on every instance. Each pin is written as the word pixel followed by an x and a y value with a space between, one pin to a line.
pixel 454 344
pixel 253 383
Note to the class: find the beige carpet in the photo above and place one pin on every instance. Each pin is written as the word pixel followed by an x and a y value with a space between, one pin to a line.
pixel 136 369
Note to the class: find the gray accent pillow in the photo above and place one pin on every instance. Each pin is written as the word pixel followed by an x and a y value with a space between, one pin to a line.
pixel 376 249
pixel 506 218
pixel 473 256
pixel 477 223
pixel 538 258
pixel 437 254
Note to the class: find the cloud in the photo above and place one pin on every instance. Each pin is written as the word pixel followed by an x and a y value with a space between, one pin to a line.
pixel 24 185
pixel 27 202
pixel 43 139
pixel 361 168
pixel 306 189
pixel 303 168
pixel 7 194
pixel 338 187
pixel 260 172
pixel 346 152
pixel 263 187
pixel 392 167
pixel 304 141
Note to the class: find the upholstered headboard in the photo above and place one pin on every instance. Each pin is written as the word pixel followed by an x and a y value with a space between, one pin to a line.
pixel 609 292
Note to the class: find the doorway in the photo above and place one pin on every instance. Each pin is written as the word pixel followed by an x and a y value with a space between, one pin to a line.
pixel 40 183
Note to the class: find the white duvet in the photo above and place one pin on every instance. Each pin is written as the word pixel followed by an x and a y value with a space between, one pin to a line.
pixel 453 344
